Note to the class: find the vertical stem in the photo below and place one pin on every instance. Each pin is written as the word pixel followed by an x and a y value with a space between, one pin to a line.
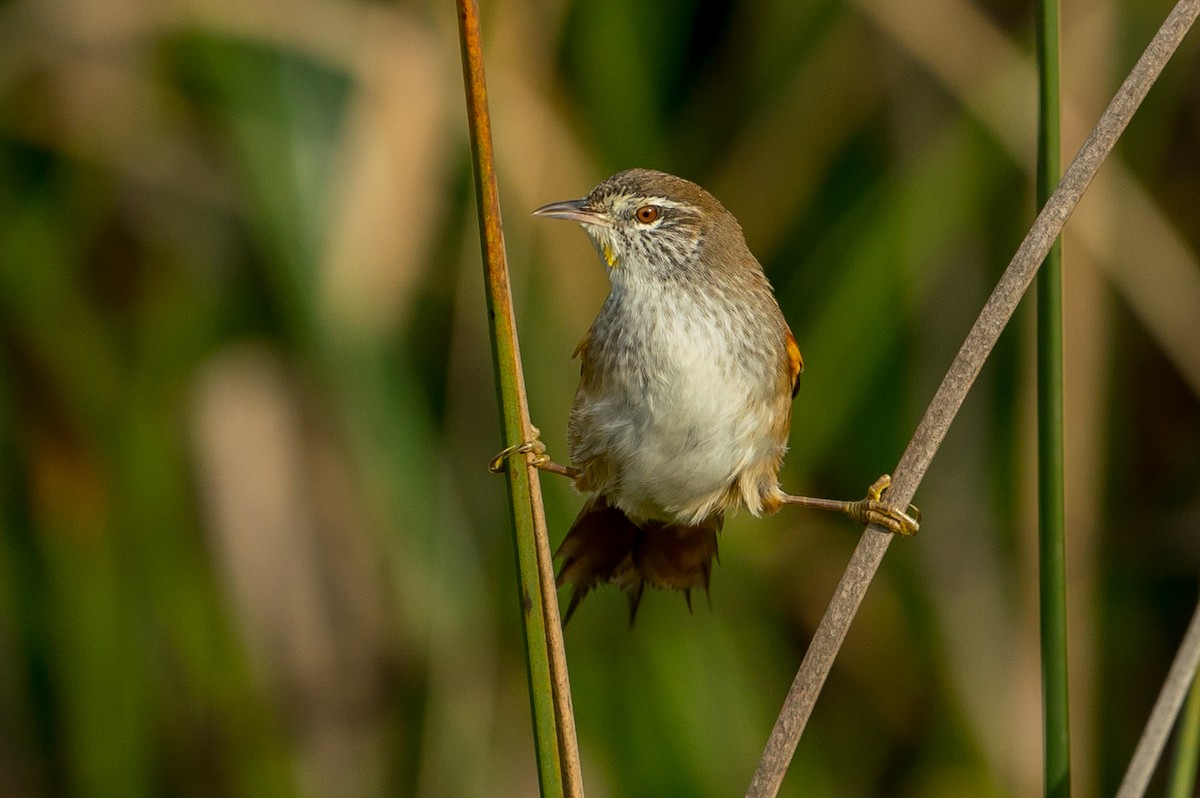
pixel 1182 783
pixel 549 689
pixel 1051 533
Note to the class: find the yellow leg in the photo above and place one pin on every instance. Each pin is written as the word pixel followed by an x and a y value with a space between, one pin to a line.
pixel 871 510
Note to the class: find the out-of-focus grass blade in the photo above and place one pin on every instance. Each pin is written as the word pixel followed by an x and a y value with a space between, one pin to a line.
pixel 1052 559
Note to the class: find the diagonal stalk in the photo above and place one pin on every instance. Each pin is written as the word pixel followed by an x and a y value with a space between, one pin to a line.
pixel 1182 781
pixel 1052 559
pixel 1162 717
pixel 932 430
pixel 549 689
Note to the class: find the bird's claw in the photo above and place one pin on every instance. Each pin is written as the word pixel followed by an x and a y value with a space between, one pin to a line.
pixel 872 510
pixel 540 459
pixel 533 446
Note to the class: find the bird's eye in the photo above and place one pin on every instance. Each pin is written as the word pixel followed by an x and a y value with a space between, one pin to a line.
pixel 646 214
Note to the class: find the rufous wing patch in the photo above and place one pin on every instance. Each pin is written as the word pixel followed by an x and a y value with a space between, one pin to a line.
pixel 795 362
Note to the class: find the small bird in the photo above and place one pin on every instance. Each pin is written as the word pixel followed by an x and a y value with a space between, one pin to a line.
pixel 685 395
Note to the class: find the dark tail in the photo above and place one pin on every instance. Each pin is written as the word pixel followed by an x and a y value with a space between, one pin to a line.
pixel 604 545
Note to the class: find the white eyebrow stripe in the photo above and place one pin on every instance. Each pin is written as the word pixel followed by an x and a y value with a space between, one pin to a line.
pixel 663 202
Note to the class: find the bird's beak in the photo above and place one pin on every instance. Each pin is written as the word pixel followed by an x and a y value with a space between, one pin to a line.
pixel 575 210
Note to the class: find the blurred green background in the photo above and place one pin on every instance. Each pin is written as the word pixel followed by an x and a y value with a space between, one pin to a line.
pixel 249 542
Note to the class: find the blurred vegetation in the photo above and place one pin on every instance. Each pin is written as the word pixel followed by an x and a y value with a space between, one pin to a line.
pixel 249 542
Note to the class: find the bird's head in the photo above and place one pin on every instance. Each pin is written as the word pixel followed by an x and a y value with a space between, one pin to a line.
pixel 649 224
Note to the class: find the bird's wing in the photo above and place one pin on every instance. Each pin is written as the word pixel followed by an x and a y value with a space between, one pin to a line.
pixel 795 361
pixel 581 349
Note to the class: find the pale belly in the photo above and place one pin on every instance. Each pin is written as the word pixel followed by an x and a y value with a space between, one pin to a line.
pixel 680 436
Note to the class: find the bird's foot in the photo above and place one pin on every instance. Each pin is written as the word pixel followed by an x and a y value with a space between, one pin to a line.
pixel 872 510
pixel 540 459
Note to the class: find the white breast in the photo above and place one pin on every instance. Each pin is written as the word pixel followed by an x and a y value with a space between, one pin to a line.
pixel 685 426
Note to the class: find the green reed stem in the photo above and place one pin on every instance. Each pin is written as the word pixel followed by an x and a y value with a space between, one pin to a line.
pixel 1185 763
pixel 1052 565
pixel 549 689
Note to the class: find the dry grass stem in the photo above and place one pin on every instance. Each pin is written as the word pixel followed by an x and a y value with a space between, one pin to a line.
pixel 932 430
pixel 1162 717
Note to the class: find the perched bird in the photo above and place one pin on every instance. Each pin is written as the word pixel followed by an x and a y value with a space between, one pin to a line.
pixel 684 402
